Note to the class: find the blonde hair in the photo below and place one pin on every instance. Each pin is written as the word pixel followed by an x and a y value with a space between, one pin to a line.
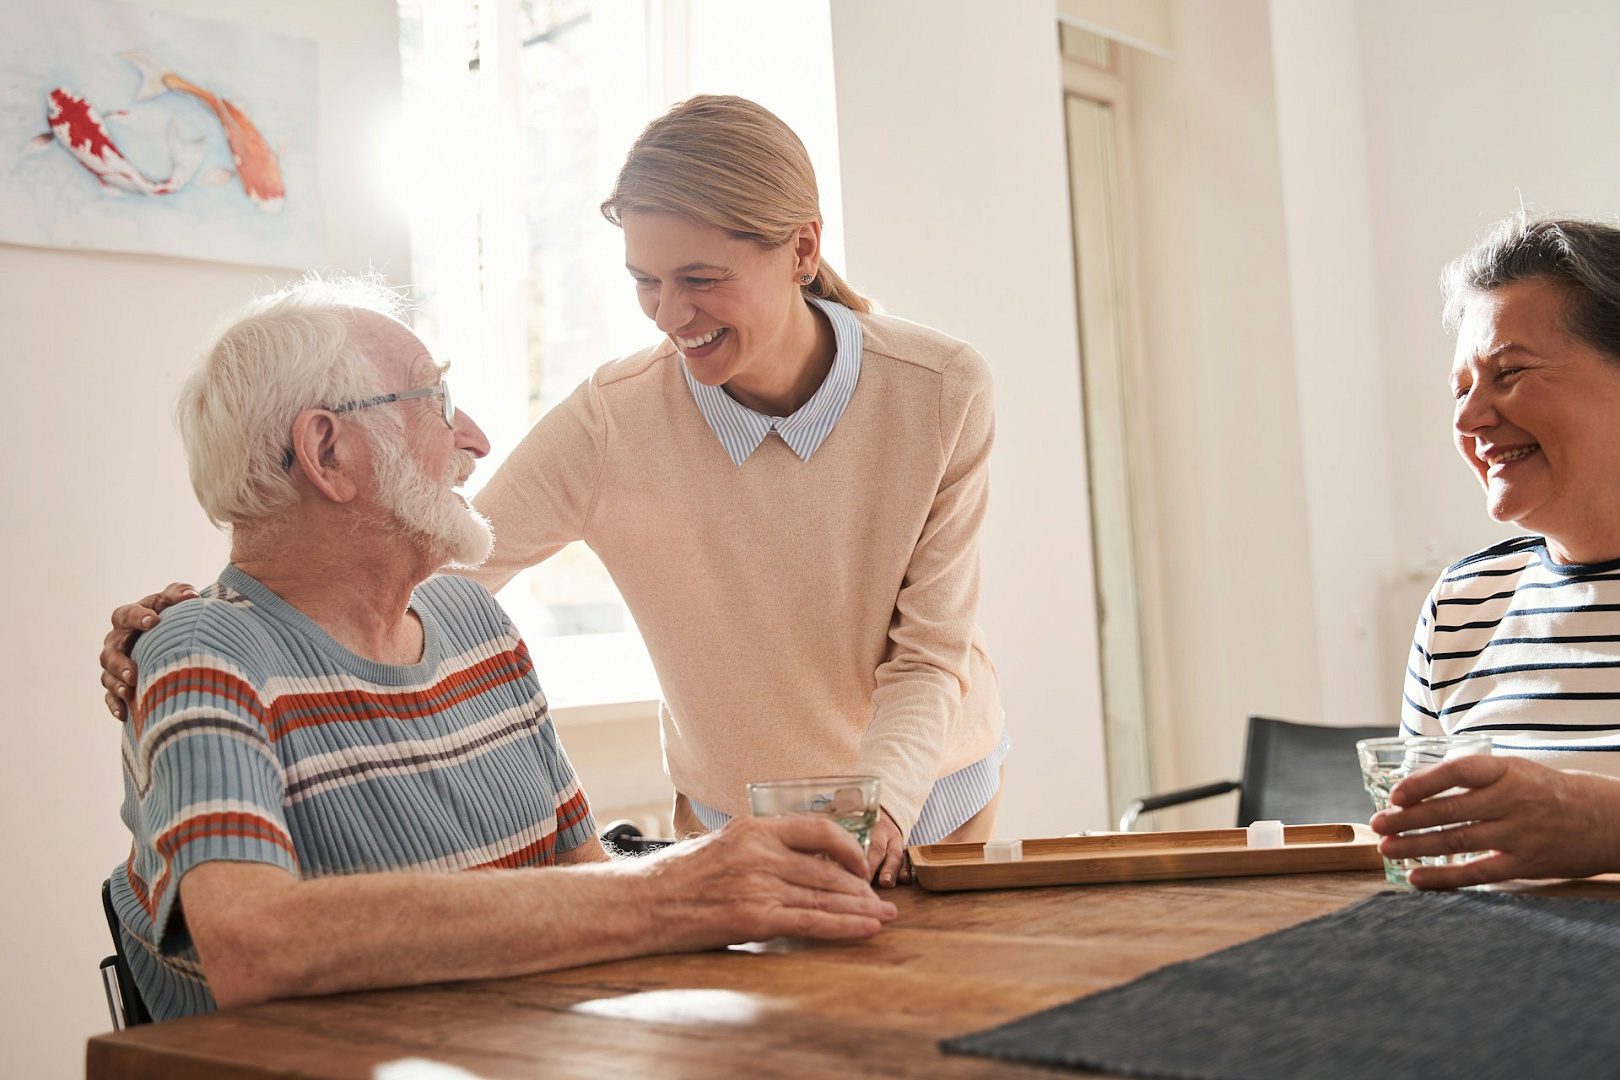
pixel 726 162
pixel 280 355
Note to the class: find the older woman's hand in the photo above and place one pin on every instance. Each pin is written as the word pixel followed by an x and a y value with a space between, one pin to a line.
pixel 129 621
pixel 1535 822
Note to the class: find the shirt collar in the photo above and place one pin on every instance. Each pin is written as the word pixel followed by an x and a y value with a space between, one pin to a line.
pixel 741 429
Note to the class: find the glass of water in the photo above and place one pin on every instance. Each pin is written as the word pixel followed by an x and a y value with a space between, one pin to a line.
pixel 850 801
pixel 1386 762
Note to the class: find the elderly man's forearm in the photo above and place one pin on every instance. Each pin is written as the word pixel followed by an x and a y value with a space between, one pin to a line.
pixel 261 935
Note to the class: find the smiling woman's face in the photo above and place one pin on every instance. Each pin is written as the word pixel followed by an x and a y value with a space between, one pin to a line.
pixel 1538 420
pixel 727 304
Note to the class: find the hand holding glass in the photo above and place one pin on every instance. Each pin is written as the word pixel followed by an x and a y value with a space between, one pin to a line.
pixel 850 801
pixel 1386 762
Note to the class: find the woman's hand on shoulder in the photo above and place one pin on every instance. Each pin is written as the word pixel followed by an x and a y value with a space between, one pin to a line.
pixel 886 862
pixel 128 623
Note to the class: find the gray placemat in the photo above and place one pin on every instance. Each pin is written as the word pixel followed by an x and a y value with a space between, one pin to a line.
pixel 1476 985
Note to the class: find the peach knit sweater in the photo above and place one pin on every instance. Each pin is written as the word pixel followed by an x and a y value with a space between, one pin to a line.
pixel 804 617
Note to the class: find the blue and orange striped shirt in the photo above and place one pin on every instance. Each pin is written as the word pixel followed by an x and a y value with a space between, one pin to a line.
pixel 256 737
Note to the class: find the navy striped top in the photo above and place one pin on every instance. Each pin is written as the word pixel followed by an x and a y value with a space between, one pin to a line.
pixel 256 737
pixel 1525 650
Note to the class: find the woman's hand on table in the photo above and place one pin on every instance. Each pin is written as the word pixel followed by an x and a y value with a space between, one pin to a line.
pixel 1533 821
pixel 886 862
pixel 128 623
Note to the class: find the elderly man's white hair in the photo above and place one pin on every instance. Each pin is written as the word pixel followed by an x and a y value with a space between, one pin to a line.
pixel 280 355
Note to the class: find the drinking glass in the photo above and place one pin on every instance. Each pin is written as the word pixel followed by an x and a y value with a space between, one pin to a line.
pixel 1386 762
pixel 851 801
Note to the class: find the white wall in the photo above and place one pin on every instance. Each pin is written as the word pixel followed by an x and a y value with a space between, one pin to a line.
pixel 1406 130
pixel 1343 438
pixel 1234 546
pixel 724 57
pixel 1470 105
pixel 101 511
pixel 956 214
pixel 1293 237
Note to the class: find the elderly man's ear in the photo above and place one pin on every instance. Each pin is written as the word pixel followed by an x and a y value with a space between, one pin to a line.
pixel 328 453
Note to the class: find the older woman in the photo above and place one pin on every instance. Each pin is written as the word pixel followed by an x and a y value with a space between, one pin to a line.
pixel 1521 641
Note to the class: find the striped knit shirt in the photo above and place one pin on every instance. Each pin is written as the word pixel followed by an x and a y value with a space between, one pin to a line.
pixel 256 737
pixel 1525 650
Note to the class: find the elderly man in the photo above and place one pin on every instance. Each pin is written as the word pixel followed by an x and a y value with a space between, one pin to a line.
pixel 330 729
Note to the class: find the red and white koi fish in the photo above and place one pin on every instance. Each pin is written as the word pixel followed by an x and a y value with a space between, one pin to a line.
pixel 81 130
pixel 256 164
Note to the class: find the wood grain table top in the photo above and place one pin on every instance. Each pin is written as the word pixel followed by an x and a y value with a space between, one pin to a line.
pixel 952 963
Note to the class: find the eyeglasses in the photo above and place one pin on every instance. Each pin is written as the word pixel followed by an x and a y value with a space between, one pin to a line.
pixel 441 390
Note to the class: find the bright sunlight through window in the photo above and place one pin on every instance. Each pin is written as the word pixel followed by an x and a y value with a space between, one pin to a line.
pixel 519 113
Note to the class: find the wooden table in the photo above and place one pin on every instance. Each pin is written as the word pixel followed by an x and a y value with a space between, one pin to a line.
pixel 952 963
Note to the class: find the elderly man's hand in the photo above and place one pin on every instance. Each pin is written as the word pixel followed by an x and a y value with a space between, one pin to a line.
pixel 128 623
pixel 886 861
pixel 1535 822
pixel 759 878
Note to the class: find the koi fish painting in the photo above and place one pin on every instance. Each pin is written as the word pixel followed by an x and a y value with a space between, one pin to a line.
pixel 256 164
pixel 125 129
pixel 80 130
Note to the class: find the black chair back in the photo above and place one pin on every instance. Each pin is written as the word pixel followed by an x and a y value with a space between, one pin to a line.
pixel 1299 773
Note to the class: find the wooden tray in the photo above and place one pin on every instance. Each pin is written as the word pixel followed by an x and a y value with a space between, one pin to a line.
pixel 1148 856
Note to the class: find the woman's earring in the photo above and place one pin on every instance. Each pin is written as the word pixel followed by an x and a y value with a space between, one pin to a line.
pixel 805 279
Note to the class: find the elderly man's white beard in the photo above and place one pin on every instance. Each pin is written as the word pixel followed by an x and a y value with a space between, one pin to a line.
pixel 457 535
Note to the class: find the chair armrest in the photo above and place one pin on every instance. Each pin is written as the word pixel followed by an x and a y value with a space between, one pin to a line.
pixel 1148 803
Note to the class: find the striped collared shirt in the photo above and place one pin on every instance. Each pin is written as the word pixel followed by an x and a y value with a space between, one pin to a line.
pixel 741 429
pixel 951 802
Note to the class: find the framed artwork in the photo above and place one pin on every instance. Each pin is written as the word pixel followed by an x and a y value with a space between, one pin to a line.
pixel 124 129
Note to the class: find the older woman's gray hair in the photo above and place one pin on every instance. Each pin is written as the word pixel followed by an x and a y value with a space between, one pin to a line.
pixel 1583 256
pixel 280 355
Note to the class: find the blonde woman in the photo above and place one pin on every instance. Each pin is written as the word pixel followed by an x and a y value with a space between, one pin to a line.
pixel 787 490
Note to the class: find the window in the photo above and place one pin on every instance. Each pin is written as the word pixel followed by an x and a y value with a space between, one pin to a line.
pixel 1094 107
pixel 519 114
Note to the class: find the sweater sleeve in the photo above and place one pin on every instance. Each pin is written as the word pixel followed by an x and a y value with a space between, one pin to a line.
pixel 1420 708
pixel 923 678
pixel 540 499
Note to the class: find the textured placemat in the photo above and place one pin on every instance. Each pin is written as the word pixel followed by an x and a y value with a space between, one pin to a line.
pixel 1479 985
